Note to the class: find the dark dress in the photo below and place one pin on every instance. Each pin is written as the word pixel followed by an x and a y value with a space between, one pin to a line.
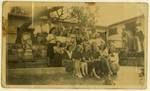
pixel 67 62
pixel 76 54
pixel 101 67
pixel 57 60
pixel 91 65
pixel 86 55
pixel 50 53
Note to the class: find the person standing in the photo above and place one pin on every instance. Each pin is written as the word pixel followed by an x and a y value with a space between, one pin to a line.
pixel 67 58
pixel 58 54
pixel 77 55
pixel 50 52
pixel 124 39
pixel 139 36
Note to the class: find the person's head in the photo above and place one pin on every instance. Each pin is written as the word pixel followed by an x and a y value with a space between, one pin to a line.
pixel 93 30
pixel 102 47
pixel 113 50
pixel 87 48
pixel 69 47
pixel 94 47
pixel 58 43
pixel 138 25
pixel 79 48
pixel 97 35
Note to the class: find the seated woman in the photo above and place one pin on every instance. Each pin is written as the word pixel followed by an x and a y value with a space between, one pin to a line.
pixel 100 66
pixel 67 58
pixel 58 54
pixel 114 62
pixel 85 60
pixel 104 56
pixel 100 71
pixel 114 66
pixel 93 55
pixel 76 57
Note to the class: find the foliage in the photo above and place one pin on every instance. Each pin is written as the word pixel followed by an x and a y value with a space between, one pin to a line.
pixel 83 16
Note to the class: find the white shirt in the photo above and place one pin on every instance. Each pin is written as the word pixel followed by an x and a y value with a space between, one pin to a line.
pixel 37 29
pixel 45 28
pixel 69 54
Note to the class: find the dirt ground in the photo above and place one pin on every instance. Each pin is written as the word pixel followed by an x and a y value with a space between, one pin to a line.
pixel 127 76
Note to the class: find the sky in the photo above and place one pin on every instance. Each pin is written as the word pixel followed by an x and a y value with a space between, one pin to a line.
pixel 105 13
pixel 111 13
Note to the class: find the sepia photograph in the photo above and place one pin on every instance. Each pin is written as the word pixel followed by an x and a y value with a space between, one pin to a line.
pixel 74 44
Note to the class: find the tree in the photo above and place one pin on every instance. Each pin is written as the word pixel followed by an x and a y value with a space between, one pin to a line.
pixel 83 16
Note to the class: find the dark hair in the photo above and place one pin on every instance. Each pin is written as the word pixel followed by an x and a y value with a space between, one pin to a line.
pixel 53 28
pixel 69 47
pixel 57 42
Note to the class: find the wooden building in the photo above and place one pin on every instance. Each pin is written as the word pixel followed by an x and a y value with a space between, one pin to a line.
pixel 116 30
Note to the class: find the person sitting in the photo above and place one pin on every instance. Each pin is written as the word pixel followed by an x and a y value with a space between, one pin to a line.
pixel 94 54
pixel 76 57
pixel 58 54
pixel 85 60
pixel 99 67
pixel 114 62
pixel 67 59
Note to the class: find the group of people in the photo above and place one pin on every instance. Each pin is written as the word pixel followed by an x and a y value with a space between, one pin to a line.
pixel 90 60
pixel 82 52
pixel 85 58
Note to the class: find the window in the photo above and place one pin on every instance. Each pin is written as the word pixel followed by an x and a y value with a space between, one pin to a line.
pixel 112 31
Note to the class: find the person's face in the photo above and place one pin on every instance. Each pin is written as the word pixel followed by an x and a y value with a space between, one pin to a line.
pixel 79 48
pixel 87 48
pixel 58 44
pixel 95 47
pixel 70 48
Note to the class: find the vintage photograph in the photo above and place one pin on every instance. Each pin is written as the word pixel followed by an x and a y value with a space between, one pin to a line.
pixel 74 44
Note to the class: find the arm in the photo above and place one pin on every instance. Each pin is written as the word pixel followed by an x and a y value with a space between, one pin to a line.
pixel 117 58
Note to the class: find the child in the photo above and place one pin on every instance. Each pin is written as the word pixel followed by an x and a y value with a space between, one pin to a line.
pixel 113 60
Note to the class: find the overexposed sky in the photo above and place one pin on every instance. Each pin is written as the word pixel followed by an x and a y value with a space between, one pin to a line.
pixel 111 13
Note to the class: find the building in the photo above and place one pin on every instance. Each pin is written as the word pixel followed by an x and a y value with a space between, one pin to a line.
pixel 131 27
pixel 114 32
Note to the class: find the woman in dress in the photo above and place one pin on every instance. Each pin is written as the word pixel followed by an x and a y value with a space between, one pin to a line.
pixel 77 55
pixel 85 59
pixel 114 62
pixel 67 58
pixel 58 54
